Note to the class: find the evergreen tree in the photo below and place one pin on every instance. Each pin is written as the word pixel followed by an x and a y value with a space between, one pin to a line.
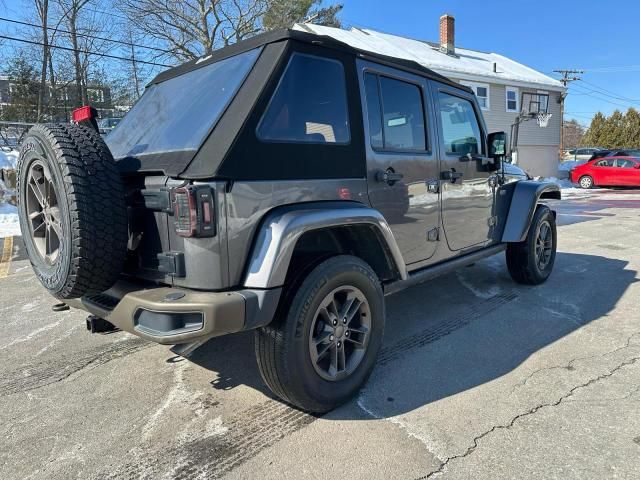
pixel 23 91
pixel 595 134
pixel 284 13
pixel 614 131
pixel 632 129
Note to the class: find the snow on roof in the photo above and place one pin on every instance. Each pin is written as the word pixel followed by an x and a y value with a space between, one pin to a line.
pixel 465 65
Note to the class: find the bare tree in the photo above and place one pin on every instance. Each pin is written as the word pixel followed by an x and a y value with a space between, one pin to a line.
pixel 192 28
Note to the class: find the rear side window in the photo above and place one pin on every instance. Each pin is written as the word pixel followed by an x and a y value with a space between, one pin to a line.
pixel 309 105
pixel 396 114
pixel 604 163
pixel 460 127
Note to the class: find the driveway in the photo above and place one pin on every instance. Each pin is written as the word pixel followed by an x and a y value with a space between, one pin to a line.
pixel 478 378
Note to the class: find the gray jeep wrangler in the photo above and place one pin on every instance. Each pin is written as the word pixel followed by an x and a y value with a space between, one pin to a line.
pixel 285 185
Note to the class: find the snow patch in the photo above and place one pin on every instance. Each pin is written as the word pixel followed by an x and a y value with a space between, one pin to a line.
pixel 9 159
pixel 9 224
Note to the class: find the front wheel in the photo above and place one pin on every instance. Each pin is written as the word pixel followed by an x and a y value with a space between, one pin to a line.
pixel 531 262
pixel 323 343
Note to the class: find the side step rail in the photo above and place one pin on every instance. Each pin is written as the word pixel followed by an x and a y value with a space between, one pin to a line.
pixel 433 271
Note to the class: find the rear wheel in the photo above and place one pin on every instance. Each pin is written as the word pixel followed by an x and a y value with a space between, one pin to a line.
pixel 586 182
pixel 323 344
pixel 531 262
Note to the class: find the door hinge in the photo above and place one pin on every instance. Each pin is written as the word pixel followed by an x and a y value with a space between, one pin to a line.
pixel 433 235
pixel 493 221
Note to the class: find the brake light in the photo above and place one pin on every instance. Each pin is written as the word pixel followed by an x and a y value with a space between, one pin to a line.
pixel 86 116
pixel 194 211
pixel 81 114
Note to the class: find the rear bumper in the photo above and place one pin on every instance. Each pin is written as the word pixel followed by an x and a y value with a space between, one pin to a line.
pixel 172 315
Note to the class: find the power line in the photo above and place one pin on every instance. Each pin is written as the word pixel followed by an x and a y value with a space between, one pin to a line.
pixel 613 94
pixel 86 52
pixel 129 44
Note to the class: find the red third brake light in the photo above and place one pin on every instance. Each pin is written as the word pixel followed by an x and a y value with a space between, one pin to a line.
pixel 81 114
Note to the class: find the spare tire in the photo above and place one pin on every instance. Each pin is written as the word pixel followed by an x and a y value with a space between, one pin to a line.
pixel 72 210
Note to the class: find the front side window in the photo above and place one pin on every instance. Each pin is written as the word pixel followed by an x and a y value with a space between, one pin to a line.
pixel 512 99
pixel 309 105
pixel 396 114
pixel 604 163
pixel 460 128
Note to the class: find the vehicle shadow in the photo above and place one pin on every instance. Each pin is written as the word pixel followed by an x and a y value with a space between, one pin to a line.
pixel 478 327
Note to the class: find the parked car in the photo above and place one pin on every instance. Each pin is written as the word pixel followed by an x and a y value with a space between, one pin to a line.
pixel 616 152
pixel 584 153
pixel 608 172
pixel 250 190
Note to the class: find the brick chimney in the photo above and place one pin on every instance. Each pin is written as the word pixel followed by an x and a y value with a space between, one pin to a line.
pixel 447 34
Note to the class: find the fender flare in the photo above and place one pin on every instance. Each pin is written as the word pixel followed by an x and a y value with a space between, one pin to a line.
pixel 282 227
pixel 526 196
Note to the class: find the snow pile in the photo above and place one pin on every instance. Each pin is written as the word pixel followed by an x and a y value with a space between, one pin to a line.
pixel 8 159
pixel 9 225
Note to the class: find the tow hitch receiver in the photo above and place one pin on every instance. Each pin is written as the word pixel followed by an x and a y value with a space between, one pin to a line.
pixel 100 325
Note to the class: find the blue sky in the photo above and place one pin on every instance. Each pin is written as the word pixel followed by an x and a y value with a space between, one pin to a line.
pixel 600 37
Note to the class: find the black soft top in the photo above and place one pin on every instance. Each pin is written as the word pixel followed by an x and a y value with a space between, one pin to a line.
pixel 311 38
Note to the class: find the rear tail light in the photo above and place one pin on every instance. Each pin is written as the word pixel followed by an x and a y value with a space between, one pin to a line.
pixel 194 211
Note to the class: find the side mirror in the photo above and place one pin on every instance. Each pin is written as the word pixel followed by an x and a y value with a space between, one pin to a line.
pixel 497 142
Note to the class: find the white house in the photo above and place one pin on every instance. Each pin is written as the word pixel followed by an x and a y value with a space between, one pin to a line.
pixel 497 81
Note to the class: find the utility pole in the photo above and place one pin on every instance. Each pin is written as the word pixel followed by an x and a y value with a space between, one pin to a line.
pixel 568 76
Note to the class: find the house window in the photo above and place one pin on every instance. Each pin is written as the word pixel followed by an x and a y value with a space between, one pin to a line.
pixel 512 100
pixel 482 92
pixel 95 95
pixel 544 101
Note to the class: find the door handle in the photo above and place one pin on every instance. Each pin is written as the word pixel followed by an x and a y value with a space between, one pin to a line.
pixel 451 175
pixel 388 176
pixel 468 157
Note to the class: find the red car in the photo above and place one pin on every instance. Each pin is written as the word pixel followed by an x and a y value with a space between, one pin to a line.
pixel 608 172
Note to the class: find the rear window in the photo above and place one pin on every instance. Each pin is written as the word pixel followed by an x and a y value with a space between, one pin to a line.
pixel 177 114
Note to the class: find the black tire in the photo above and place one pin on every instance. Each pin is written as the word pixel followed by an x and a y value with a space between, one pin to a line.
pixel 283 347
pixel 586 182
pixel 91 210
pixel 524 265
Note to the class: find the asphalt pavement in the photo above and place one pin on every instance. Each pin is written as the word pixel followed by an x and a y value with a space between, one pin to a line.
pixel 479 378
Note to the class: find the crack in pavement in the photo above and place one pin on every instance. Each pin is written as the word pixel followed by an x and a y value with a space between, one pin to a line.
pixel 441 469
pixel 569 366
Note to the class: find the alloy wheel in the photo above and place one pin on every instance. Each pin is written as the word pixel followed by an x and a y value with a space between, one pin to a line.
pixel 43 212
pixel 339 333
pixel 544 245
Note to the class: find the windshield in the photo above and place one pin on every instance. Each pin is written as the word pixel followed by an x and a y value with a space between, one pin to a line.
pixel 177 114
